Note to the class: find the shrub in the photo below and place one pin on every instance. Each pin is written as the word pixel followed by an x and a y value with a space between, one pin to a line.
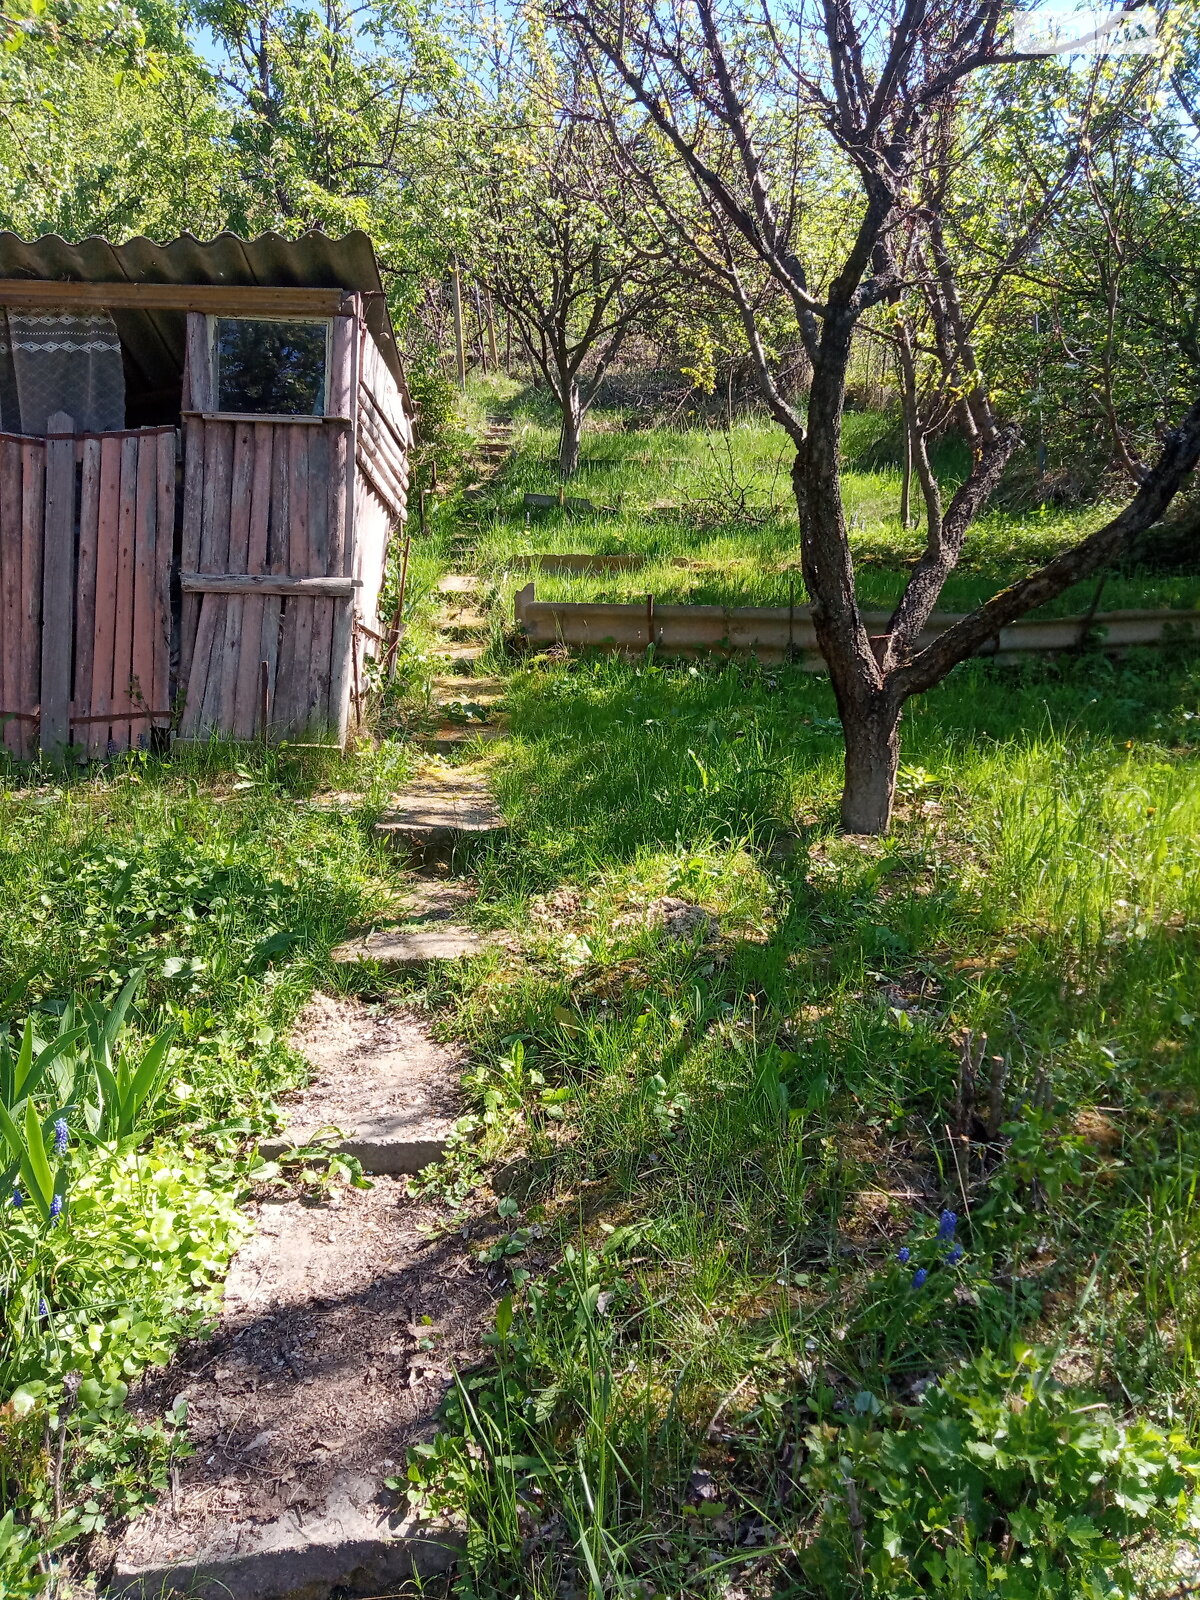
pixel 1002 1484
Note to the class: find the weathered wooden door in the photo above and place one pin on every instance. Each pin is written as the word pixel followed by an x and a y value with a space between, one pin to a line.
pixel 263 585
pixel 86 536
pixel 266 562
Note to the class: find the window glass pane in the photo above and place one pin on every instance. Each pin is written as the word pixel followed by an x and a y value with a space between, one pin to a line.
pixel 272 367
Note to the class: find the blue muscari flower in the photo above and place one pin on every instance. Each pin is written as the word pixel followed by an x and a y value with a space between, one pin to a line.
pixel 61 1136
pixel 43 1308
pixel 947 1223
pixel 56 1208
pixel 18 1199
pixel 903 1255
pixel 919 1277
pixel 954 1255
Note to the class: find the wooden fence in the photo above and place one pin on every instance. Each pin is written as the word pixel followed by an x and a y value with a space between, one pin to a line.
pixel 86 531
pixel 786 633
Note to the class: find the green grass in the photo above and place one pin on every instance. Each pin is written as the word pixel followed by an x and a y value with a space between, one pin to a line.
pixel 762 1121
pixel 723 502
pixel 722 1146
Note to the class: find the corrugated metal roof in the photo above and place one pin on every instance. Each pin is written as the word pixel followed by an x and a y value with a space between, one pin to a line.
pixel 313 261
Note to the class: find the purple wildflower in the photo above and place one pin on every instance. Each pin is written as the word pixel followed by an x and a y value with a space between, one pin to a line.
pixel 56 1208
pixel 62 1136
pixel 43 1308
pixel 904 1255
pixel 18 1199
pixel 947 1223
pixel 919 1276
pixel 954 1255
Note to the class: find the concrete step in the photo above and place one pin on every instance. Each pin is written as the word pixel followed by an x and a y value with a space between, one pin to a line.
pixel 453 736
pixel 382 1082
pixel 353 1544
pixel 412 947
pixel 459 583
pixel 468 691
pixel 431 899
pixel 440 815
pixel 463 623
pixel 461 652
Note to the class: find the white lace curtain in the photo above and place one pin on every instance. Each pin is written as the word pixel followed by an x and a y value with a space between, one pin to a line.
pixel 55 359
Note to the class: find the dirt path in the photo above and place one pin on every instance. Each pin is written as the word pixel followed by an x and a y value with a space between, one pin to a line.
pixel 346 1314
pixel 347 1311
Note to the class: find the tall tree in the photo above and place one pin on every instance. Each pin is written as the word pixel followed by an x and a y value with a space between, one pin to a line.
pixel 759 111
pixel 341 116
pixel 109 123
pixel 554 244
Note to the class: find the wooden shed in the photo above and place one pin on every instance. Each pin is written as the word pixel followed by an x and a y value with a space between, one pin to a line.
pixel 203 456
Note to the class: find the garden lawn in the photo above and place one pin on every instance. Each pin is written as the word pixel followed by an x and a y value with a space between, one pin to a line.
pixel 780 1314
pixel 723 504
pixel 776 1311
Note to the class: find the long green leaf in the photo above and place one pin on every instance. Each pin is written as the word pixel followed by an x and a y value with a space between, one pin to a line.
pixel 115 1020
pixel 36 1163
pixel 24 1063
pixel 137 1092
pixel 108 1096
pixel 11 1134
pixel 45 1059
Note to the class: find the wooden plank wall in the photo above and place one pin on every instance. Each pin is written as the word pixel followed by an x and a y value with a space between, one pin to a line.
pixel 99 610
pixel 260 498
pixel 294 500
pixel 121 685
pixel 22 501
pixel 383 441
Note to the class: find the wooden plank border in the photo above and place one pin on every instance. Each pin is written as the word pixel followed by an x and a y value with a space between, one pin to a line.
pixel 58 587
pixel 779 632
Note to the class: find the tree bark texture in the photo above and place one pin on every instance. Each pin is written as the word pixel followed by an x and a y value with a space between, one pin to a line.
pixel 872 733
pixel 572 426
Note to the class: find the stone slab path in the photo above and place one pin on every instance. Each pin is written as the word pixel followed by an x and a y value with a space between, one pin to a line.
pixel 412 947
pixel 342 1326
pixel 461 652
pixel 380 1080
pixel 345 1314
pixel 344 1319
pixel 453 737
pixel 441 811
pixel 477 691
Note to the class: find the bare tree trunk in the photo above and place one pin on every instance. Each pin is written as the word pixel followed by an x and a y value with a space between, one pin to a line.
pixel 460 352
pixel 572 427
pixel 869 711
pixel 872 734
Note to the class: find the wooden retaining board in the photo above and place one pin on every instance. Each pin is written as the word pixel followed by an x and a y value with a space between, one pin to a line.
pixel 775 633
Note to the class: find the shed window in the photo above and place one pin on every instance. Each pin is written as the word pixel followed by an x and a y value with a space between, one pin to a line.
pixel 270 367
pixel 60 358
